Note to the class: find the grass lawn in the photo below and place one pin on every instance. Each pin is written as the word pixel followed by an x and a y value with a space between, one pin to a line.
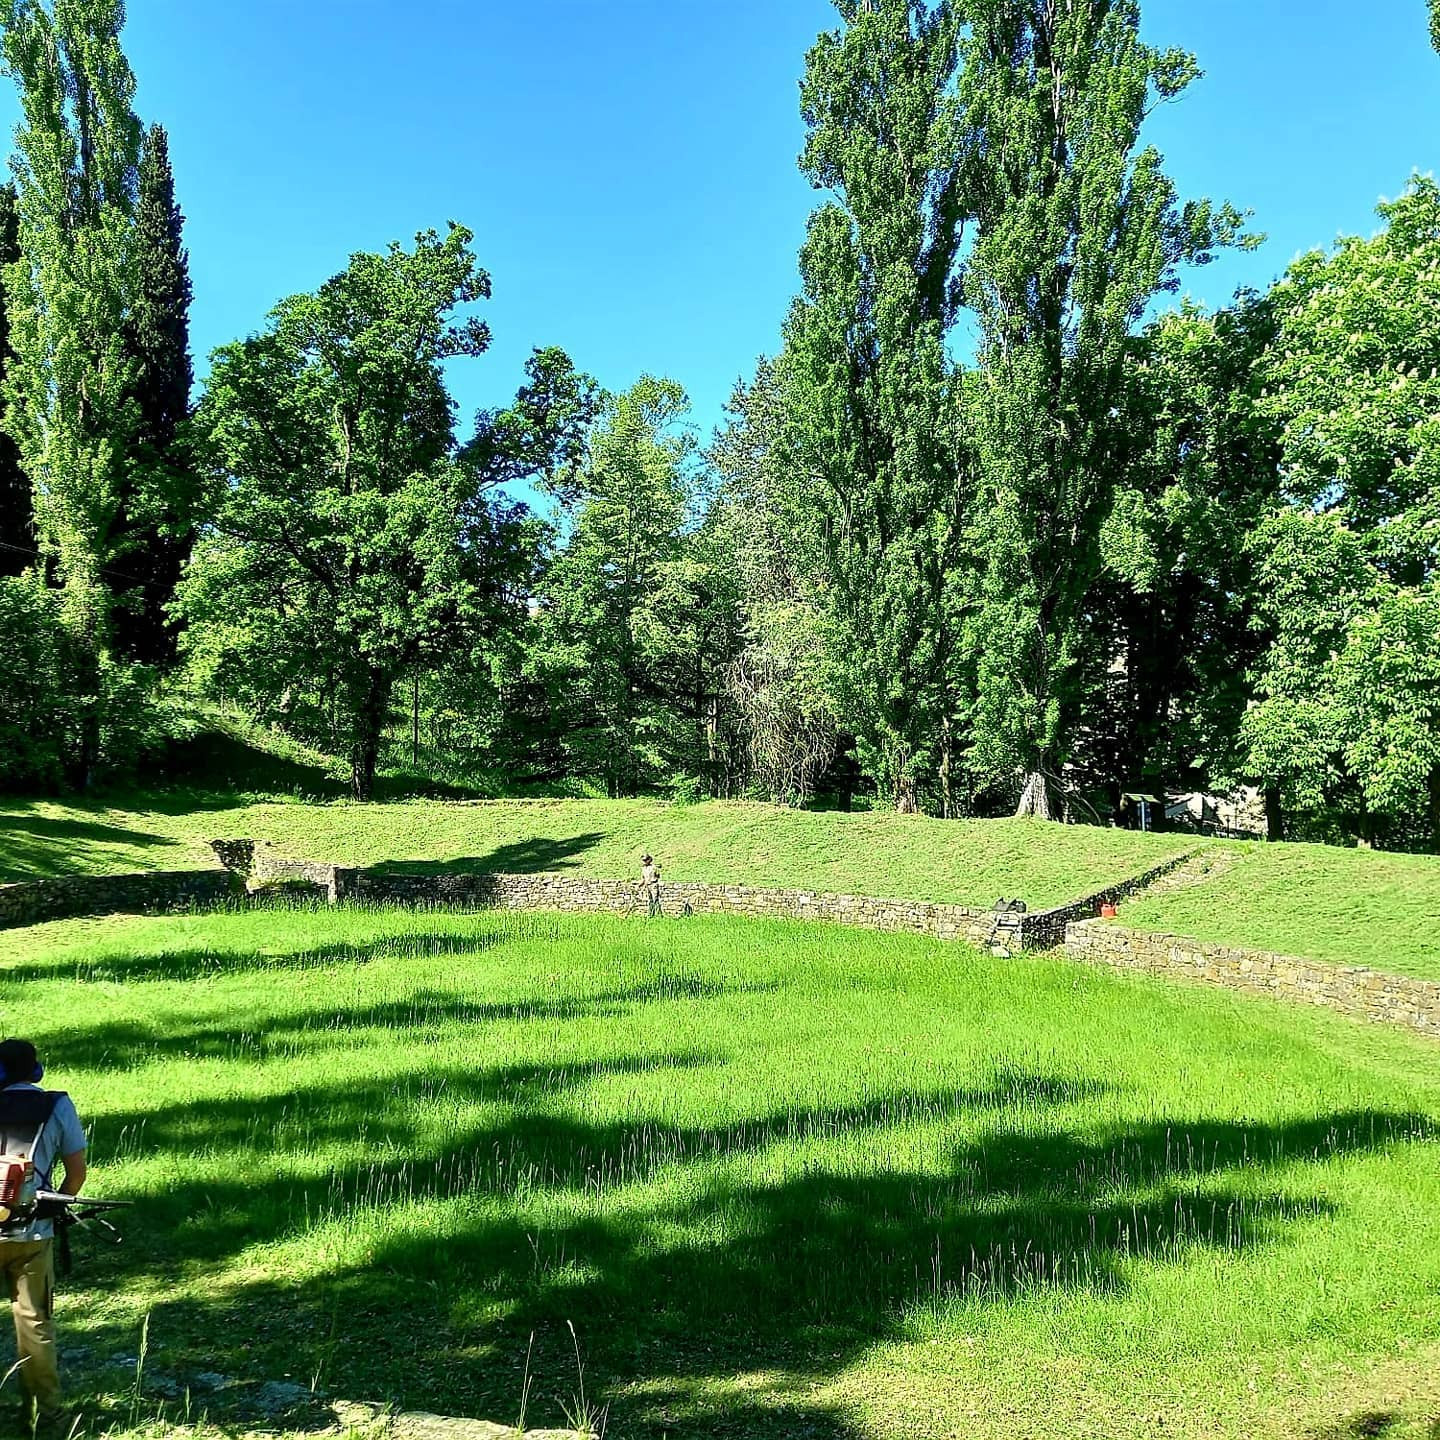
pixel 968 862
pixel 784 1180
pixel 1352 907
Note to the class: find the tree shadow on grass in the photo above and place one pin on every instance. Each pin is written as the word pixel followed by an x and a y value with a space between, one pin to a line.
pixel 531 856
pixel 459 1209
pixel 216 769
pixel 206 962
pixel 33 847
pixel 531 1215
pixel 264 1036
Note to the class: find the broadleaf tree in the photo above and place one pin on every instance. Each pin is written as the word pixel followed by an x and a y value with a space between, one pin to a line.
pixel 351 542
pixel 1349 571
pixel 1171 639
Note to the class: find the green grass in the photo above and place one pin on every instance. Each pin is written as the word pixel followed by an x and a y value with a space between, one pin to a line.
pixel 967 862
pixel 1351 907
pixel 786 1181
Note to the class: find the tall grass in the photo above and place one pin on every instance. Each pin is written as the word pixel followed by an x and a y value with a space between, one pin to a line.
pixel 782 1180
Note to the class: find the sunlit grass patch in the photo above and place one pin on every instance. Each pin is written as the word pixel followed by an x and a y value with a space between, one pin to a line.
pixel 1349 907
pixel 869 853
pixel 784 1180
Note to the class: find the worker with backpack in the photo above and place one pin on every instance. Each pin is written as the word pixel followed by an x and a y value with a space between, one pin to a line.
pixel 37 1129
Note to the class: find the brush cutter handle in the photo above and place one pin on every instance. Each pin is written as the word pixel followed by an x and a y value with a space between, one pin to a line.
pixel 49 1203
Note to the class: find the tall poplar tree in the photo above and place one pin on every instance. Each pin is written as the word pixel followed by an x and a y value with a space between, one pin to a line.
pixel 69 393
pixel 17 519
pixel 1076 230
pixel 160 505
pixel 866 372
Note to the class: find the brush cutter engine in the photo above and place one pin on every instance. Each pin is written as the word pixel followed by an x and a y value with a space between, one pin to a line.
pixel 24 1197
pixel 24 1114
pixel 18 1190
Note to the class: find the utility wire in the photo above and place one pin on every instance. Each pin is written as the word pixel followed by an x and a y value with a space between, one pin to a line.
pixel 104 569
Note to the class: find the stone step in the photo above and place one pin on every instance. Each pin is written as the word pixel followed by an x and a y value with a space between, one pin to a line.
pixel 1200 869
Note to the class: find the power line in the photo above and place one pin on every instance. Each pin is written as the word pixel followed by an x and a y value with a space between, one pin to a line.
pixel 104 569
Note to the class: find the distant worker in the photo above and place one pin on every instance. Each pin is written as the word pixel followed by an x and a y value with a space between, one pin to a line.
pixel 40 1126
pixel 650 884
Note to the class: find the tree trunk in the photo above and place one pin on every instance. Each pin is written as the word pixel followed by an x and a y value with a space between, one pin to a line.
pixel 369 729
pixel 85 617
pixel 906 801
pixel 1274 814
pixel 947 810
pixel 1034 799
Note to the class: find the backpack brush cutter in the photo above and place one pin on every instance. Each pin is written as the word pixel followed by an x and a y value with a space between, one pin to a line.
pixel 23 1200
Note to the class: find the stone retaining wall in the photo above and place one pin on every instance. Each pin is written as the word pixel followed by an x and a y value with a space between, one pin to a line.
pixel 1046 929
pixel 1394 999
pixel 1002 933
pixel 66 896
pixel 623 897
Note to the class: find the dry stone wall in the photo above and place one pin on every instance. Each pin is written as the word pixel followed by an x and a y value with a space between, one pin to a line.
pixel 1002 933
pixel 66 896
pixel 622 897
pixel 1045 929
pixel 1394 999
pixel 254 870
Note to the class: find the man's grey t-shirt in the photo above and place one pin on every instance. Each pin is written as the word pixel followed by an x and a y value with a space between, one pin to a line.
pixel 63 1135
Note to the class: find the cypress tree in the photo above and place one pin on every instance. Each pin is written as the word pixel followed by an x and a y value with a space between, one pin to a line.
pixel 17 518
pixel 158 520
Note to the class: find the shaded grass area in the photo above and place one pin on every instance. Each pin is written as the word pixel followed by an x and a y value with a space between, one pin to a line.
pixel 784 1180
pixel 968 862
pixel 1350 907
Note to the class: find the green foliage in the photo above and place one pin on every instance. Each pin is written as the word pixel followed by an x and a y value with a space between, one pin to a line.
pixel 866 379
pixel 998 543
pixel 68 295
pixel 782 682
pixel 1163 675
pixel 70 389
pixel 1076 231
pixel 35 703
pixel 161 514
pixel 1348 719
pixel 633 615
pixel 350 545
pixel 17 518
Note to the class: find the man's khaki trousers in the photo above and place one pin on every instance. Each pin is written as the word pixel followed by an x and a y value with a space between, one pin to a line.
pixel 29 1267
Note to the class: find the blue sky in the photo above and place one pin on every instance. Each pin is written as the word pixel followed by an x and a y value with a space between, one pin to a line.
pixel 629 167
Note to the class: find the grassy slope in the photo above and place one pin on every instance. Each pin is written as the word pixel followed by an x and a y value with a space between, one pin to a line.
pixel 785 1180
pixel 1353 907
pixel 877 854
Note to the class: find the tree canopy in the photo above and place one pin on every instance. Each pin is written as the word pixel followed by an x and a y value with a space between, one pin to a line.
pixel 1002 526
pixel 350 541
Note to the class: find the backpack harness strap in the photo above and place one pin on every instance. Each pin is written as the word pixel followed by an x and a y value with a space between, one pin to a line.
pixel 24 1114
